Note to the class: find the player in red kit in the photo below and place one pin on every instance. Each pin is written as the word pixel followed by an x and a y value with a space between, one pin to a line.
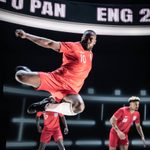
pixel 66 81
pixel 121 122
pixel 51 128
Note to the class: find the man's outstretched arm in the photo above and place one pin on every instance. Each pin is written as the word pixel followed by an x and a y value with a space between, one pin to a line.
pixel 140 131
pixel 113 121
pixel 41 41
pixel 38 115
pixel 64 121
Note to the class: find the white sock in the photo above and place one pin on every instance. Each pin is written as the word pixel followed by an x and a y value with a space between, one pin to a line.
pixel 64 108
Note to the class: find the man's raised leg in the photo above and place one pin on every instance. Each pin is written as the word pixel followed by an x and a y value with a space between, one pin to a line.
pixel 71 105
pixel 27 77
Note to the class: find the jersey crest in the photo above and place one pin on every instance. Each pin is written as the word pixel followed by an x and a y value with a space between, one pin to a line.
pixel 45 116
pixel 125 119
pixel 134 118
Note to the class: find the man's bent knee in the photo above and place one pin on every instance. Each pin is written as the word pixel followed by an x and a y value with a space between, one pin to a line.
pixel 76 101
pixel 28 78
pixel 78 107
pixel 20 76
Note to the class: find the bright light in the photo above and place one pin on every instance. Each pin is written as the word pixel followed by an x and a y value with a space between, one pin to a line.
pixel 146 123
pixel 88 142
pixel 72 27
pixel 117 92
pixel 21 144
pixel 69 122
pixel 143 92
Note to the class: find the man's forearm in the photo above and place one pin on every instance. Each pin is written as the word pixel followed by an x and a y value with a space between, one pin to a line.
pixel 115 127
pixel 140 131
pixel 64 122
pixel 37 122
pixel 41 41
pixel 44 42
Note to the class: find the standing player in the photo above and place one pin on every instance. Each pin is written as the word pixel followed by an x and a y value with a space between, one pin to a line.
pixel 51 129
pixel 121 122
pixel 66 81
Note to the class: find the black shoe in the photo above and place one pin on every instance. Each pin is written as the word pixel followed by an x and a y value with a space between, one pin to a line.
pixel 22 68
pixel 39 106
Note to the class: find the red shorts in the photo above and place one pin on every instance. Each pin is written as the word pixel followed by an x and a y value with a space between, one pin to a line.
pixel 114 140
pixel 55 86
pixel 47 134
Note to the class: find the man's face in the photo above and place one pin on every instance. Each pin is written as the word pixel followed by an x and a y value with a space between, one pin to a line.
pixel 134 105
pixel 88 40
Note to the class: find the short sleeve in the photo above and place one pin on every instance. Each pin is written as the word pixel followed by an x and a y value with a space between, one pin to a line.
pixel 118 113
pixel 38 114
pixel 65 47
pixel 137 120
pixel 61 115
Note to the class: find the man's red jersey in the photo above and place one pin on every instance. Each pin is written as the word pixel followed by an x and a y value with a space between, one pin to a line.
pixel 125 119
pixel 51 119
pixel 69 78
pixel 76 65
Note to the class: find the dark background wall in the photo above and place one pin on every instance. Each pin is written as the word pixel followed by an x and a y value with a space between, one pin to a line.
pixel 120 62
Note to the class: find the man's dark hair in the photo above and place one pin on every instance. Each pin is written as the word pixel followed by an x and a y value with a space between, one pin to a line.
pixel 89 32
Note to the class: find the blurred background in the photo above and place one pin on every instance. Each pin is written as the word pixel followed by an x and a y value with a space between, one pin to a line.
pixel 120 70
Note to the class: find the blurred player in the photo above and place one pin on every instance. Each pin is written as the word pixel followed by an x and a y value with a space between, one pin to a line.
pixel 66 81
pixel 121 122
pixel 51 129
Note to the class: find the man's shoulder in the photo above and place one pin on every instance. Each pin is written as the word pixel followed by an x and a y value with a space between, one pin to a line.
pixel 124 109
pixel 137 113
pixel 72 43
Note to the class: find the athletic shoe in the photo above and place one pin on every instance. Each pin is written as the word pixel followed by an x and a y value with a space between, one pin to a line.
pixel 40 106
pixel 22 68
